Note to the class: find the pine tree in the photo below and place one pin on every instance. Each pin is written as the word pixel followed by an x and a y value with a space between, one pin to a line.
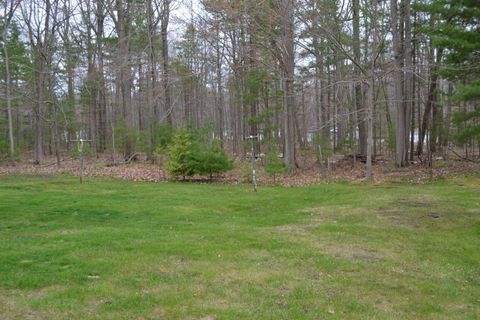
pixel 14 65
pixel 274 165
pixel 458 31
pixel 181 155
pixel 210 160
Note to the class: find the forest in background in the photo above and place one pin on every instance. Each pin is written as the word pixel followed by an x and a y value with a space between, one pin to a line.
pixel 397 79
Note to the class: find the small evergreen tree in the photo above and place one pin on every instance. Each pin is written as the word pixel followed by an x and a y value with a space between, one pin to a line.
pixel 273 165
pixel 162 136
pixel 190 153
pixel 181 155
pixel 457 30
pixel 121 132
pixel 210 160
pixel 161 139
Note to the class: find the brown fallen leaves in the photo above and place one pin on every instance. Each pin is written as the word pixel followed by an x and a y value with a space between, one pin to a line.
pixel 309 173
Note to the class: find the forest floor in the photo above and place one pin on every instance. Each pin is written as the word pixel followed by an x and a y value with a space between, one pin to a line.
pixel 116 249
pixel 308 173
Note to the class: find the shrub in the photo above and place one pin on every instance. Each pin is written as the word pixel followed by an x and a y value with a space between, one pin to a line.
pixel 210 160
pixel 246 172
pixel 162 138
pixel 273 165
pixel 180 153
pixel 189 155
pixel 124 135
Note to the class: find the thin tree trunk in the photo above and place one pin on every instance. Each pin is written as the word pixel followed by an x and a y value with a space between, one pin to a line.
pixel 7 93
pixel 359 100
pixel 318 117
pixel 372 96
pixel 408 91
pixel 101 91
pixel 288 68
pixel 165 18
pixel 431 99
pixel 124 72
pixel 9 11
pixel 400 141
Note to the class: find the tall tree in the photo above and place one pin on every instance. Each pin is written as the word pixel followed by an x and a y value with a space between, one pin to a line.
pixel 457 30
pixel 8 13
pixel 400 14
pixel 164 21
pixel 123 20
pixel 286 49
pixel 41 34
pixel 359 105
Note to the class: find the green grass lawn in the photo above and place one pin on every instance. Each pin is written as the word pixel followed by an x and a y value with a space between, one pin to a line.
pixel 112 249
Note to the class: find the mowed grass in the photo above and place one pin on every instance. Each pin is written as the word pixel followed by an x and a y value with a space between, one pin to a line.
pixel 112 249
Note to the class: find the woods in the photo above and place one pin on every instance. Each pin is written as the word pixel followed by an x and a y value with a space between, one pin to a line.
pixel 239 159
pixel 394 79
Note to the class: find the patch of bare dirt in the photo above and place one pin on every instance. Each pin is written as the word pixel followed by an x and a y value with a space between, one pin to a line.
pixel 354 253
pixel 12 306
pixel 208 317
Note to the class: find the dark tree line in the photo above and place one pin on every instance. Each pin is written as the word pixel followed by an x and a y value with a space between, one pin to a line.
pixel 397 79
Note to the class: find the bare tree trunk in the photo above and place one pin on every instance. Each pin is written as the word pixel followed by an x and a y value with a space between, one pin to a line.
pixel 252 67
pixel 287 63
pixel 372 103
pixel 91 85
pixel 101 90
pixel 124 71
pixel 289 133
pixel 9 10
pixel 318 116
pixel 7 90
pixel 431 99
pixel 401 133
pixel 408 90
pixel 448 119
pixel 413 88
pixel 41 49
pixel 56 137
pixel 152 61
pixel 359 99
pixel 298 128
pixel 165 18
pixel 220 97
pixel 319 123
pixel 38 110
pixel 369 175
pixel 151 78
pixel 69 68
